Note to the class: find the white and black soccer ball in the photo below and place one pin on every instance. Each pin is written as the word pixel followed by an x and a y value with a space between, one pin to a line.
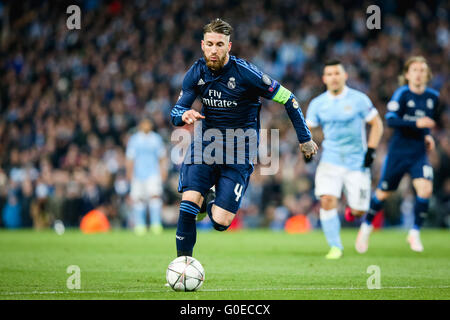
pixel 185 274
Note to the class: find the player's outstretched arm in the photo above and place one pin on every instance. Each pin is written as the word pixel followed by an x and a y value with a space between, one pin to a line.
pixel 271 89
pixel 287 98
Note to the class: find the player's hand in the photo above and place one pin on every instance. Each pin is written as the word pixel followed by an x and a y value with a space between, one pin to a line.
pixel 425 122
pixel 429 143
pixel 369 157
pixel 309 149
pixel 191 116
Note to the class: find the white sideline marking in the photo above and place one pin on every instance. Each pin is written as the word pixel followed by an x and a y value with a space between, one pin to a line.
pixel 212 290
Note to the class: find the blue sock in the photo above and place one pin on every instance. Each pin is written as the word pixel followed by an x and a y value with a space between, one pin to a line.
pixel 139 214
pixel 331 227
pixel 186 230
pixel 420 212
pixel 155 206
pixel 216 226
pixel 375 206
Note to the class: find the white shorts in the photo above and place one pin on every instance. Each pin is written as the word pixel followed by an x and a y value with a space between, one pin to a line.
pixel 143 190
pixel 330 179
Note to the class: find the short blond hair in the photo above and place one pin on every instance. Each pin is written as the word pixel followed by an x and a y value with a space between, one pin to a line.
pixel 402 79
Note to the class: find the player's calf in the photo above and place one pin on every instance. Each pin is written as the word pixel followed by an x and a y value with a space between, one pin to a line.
pixel 424 190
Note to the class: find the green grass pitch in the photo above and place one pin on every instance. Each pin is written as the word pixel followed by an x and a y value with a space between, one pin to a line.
pixel 249 264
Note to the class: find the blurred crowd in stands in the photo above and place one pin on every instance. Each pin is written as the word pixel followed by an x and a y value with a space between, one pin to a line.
pixel 69 99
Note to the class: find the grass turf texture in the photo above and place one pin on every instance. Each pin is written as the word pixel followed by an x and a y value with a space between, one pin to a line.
pixel 238 265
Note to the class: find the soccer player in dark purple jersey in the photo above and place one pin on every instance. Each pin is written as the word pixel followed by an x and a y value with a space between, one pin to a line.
pixel 230 89
pixel 411 114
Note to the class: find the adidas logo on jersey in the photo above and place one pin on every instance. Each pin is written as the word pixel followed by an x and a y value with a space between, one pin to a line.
pixel 200 82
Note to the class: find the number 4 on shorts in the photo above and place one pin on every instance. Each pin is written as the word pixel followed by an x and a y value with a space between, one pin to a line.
pixel 428 172
pixel 238 191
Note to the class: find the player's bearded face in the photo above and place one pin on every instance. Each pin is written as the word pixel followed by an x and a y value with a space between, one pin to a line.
pixel 215 47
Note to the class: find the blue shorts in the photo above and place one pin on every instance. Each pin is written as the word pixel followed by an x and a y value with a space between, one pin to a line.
pixel 396 165
pixel 231 181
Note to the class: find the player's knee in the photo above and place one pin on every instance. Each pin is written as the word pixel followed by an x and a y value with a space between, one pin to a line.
pixel 193 196
pixel 425 192
pixel 221 222
pixel 328 202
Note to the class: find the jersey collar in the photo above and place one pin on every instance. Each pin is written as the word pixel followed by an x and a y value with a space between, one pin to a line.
pixel 340 95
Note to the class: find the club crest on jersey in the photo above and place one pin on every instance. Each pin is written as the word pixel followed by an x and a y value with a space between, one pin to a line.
pixel 294 103
pixel 393 106
pixel 231 83
pixel 430 103
pixel 266 79
pixel 411 104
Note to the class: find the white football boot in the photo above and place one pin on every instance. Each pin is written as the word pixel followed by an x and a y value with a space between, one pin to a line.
pixel 414 240
pixel 362 240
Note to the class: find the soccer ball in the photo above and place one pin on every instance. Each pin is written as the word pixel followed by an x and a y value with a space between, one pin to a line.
pixel 185 274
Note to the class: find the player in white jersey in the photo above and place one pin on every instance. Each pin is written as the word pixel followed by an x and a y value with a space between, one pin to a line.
pixel 146 169
pixel 342 113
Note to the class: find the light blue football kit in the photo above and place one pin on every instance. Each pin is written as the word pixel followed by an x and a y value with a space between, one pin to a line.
pixel 343 120
pixel 146 150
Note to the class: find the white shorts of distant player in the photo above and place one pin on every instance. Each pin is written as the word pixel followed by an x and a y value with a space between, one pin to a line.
pixel 333 180
pixel 144 190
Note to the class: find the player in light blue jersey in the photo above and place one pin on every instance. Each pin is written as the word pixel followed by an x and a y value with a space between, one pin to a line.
pixel 146 169
pixel 347 155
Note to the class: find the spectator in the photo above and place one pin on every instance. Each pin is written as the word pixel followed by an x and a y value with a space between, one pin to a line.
pixel 69 100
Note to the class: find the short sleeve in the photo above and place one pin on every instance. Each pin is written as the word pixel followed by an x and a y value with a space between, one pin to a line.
pixel 312 116
pixel 368 111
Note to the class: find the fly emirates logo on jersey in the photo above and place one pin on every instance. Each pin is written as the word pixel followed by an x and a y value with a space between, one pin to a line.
pixel 214 99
